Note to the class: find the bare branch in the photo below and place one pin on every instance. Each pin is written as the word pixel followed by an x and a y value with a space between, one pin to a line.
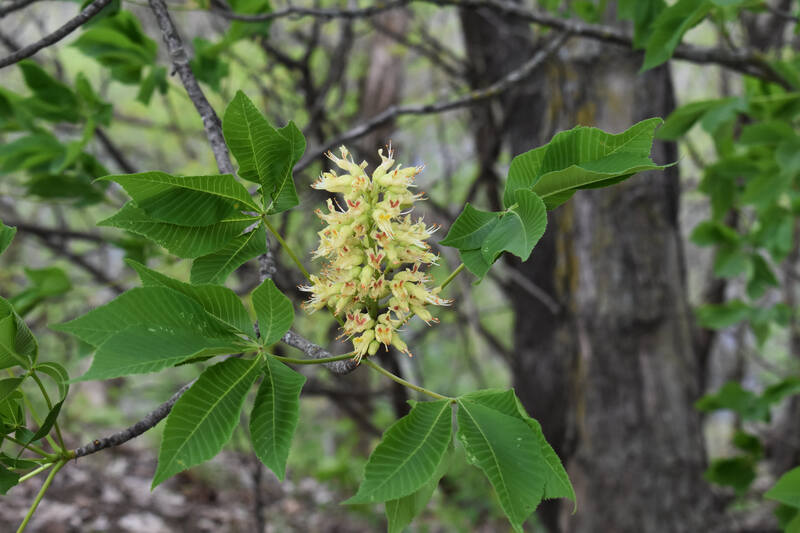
pixel 298 12
pixel 42 231
pixel 317 352
pixel 52 38
pixel 145 424
pixel 180 61
pixel 744 61
pixel 14 6
pixel 392 112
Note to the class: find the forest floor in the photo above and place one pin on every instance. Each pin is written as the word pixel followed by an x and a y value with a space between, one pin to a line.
pixel 111 492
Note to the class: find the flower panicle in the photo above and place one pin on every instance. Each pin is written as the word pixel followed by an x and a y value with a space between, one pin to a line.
pixel 375 253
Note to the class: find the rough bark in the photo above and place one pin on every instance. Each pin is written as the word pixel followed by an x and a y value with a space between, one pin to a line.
pixel 612 376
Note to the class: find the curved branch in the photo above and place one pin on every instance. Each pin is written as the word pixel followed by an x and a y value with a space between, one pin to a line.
pixel 73 24
pixel 180 60
pixel 293 11
pixel 390 113
pixel 14 6
pixel 317 352
pixel 147 423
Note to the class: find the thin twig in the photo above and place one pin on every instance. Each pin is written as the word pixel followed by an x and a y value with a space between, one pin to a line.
pixel 148 422
pixel 293 11
pixel 180 61
pixel 392 112
pixel 14 6
pixel 72 24
pixel 744 61
pixel 317 352
pixel 42 231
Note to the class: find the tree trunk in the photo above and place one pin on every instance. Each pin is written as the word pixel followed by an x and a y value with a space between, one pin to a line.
pixel 612 375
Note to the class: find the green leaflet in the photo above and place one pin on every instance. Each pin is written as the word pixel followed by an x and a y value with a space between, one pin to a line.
pixel 519 229
pixel 6 236
pixel 51 99
pixel 18 346
pixel 470 229
pixel 58 374
pixel 266 156
pixel 401 512
pixel 669 28
pixel 787 489
pixel 497 444
pixel 183 241
pixel 186 200
pixel 482 236
pixel 557 483
pixel 581 158
pixel 118 43
pixel 217 266
pixel 274 311
pixel 45 283
pixel 221 302
pixel 155 307
pixel 274 416
pixel 408 455
pixel 8 479
pixel 8 386
pixel 203 419
pixel 142 349
pixel 719 316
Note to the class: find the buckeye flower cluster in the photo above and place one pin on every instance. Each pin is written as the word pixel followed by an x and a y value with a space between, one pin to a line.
pixel 374 275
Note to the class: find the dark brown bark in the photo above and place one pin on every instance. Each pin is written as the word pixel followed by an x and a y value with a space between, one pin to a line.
pixel 612 376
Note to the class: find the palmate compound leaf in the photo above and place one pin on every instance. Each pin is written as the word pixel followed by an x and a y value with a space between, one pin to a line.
pixel 186 200
pixel 216 267
pixel 265 155
pixel 274 311
pixel 401 512
pixel 274 416
pixel 183 241
pixel 409 454
pixel 221 302
pixel 203 419
pixel 581 158
pixel 150 328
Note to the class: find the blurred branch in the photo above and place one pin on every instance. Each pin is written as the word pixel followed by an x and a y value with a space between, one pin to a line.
pixel 744 61
pixel 180 62
pixel 14 6
pixel 52 38
pixel 42 231
pixel 432 50
pixel 114 151
pixel 298 12
pixel 471 98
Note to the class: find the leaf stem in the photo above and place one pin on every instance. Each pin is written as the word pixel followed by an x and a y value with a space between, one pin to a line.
pixel 323 360
pixel 286 247
pixel 38 381
pixel 40 495
pixel 39 470
pixel 452 276
pixel 405 383
pixel 32 447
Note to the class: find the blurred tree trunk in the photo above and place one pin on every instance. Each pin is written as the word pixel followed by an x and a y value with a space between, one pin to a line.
pixel 612 374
